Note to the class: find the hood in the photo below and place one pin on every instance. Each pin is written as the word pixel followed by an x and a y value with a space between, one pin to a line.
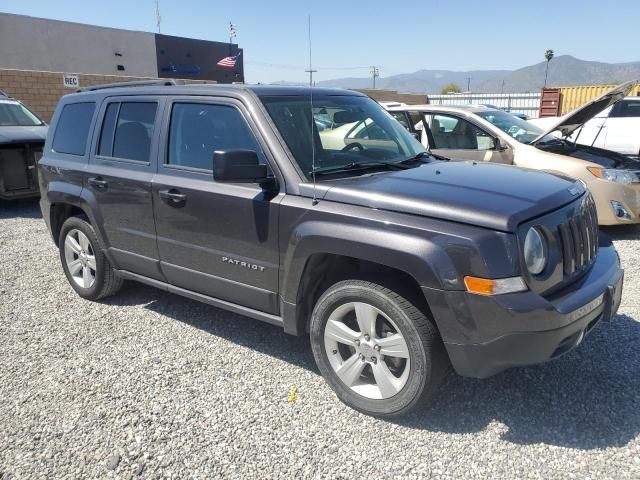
pixel 488 195
pixel 569 123
pixel 14 134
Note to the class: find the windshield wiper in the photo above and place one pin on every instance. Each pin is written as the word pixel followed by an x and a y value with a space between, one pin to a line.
pixel 357 166
pixel 420 156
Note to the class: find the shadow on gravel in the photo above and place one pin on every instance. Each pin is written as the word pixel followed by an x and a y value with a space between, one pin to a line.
pixel 622 232
pixel 587 399
pixel 260 336
pixel 26 208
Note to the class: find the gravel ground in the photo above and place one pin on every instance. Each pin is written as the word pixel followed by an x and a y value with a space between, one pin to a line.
pixel 151 385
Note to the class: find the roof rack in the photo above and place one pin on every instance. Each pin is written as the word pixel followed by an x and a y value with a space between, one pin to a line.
pixel 135 83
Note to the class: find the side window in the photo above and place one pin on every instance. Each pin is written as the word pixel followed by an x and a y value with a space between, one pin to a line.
pixel 367 130
pixel 198 130
pixel 626 108
pixel 127 129
pixel 458 134
pixel 401 118
pixel 72 128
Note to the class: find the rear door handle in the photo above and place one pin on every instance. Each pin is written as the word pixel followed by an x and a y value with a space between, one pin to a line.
pixel 173 197
pixel 99 183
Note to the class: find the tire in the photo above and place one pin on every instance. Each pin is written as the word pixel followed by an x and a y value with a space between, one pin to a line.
pixel 80 252
pixel 417 367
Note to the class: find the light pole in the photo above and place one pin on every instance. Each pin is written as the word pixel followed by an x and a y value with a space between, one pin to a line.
pixel 548 55
pixel 468 84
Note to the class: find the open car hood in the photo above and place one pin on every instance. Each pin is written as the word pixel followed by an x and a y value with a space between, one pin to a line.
pixel 569 123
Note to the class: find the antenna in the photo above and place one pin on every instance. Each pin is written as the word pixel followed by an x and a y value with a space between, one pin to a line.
pixel 158 17
pixel 313 140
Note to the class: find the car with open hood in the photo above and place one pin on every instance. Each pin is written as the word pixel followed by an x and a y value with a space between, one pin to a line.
pixel 489 135
pixel 395 264
pixel 22 135
pixel 616 127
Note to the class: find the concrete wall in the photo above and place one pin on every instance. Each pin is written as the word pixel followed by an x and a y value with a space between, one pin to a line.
pixel 28 43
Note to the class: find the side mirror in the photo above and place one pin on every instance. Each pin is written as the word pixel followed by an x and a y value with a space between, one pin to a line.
pixel 417 135
pixel 238 166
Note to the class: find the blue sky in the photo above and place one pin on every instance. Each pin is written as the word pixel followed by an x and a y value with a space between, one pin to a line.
pixel 399 37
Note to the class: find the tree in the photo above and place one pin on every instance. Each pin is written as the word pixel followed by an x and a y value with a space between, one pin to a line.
pixel 548 55
pixel 451 88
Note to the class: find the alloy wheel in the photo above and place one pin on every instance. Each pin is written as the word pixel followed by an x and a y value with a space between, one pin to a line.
pixel 366 350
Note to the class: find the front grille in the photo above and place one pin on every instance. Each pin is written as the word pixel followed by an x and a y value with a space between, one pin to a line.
pixel 579 237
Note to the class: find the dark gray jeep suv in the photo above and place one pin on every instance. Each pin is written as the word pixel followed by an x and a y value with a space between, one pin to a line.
pixel 314 210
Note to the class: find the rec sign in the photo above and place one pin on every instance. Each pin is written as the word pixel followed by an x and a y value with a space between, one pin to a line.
pixel 71 81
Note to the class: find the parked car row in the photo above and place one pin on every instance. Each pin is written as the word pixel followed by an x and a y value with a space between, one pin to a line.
pixel 483 134
pixel 315 210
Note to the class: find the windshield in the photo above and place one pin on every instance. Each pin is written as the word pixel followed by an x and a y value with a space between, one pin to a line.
pixel 347 131
pixel 15 114
pixel 519 129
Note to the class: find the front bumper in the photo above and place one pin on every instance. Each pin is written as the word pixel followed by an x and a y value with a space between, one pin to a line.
pixel 627 195
pixel 485 335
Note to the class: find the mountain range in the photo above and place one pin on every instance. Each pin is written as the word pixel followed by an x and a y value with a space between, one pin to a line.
pixel 564 70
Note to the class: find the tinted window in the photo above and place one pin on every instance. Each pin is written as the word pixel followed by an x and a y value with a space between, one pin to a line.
pixel 72 129
pixel 108 127
pixel 626 108
pixel 132 137
pixel 198 130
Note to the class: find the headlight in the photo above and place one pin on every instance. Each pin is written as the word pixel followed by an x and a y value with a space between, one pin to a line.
pixel 535 251
pixel 617 176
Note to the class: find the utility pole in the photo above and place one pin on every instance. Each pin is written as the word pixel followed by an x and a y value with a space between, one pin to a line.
pixel 468 84
pixel 232 32
pixel 158 17
pixel 375 73
pixel 502 87
pixel 311 72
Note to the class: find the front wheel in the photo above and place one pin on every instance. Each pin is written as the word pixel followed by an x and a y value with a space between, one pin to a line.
pixel 378 352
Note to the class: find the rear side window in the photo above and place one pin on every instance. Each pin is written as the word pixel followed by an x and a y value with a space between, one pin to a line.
pixel 198 130
pixel 626 108
pixel 127 129
pixel 72 128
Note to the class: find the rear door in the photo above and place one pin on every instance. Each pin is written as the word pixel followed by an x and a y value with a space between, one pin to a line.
pixel 458 138
pixel 119 178
pixel 216 239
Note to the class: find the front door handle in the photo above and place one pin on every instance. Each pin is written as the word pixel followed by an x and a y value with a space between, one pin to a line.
pixel 99 183
pixel 173 197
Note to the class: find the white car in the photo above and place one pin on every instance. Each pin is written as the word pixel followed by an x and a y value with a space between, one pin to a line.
pixel 615 128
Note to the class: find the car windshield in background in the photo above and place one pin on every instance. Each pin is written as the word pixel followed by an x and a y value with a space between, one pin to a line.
pixel 519 129
pixel 351 132
pixel 14 114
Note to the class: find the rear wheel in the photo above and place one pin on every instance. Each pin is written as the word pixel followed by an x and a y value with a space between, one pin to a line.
pixel 378 352
pixel 86 267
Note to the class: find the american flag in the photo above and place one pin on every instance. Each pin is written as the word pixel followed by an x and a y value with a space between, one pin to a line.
pixel 229 61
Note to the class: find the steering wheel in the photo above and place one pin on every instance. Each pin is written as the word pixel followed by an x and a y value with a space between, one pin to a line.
pixel 353 145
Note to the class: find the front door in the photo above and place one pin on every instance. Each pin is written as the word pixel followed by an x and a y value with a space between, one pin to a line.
pixel 218 239
pixel 457 138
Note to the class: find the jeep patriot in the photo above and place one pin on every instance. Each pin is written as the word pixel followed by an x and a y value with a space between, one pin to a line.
pixel 398 265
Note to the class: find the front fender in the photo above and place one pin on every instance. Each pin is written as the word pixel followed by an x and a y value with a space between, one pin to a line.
pixel 435 259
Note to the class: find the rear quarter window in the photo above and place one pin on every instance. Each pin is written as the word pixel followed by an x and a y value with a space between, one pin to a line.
pixel 72 129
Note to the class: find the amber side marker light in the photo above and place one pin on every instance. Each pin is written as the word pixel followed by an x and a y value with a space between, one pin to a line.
pixel 489 286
